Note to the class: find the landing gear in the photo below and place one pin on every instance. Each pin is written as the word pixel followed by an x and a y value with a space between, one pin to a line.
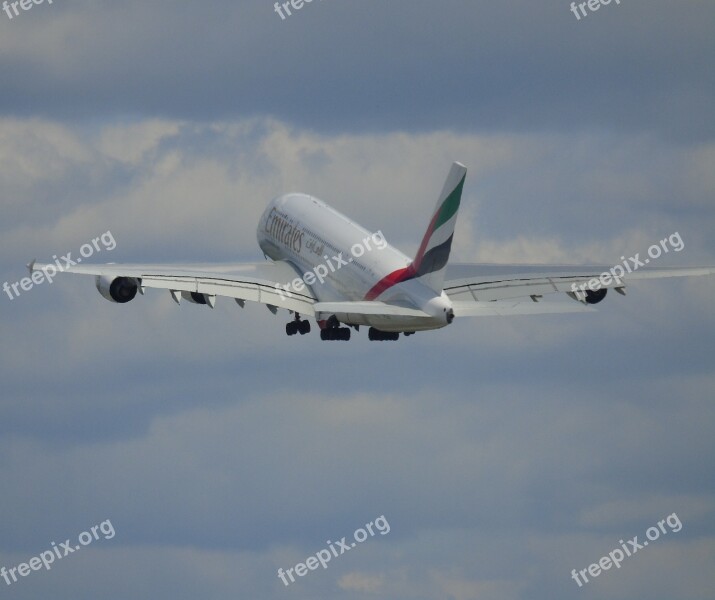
pixel 376 335
pixel 332 331
pixel 298 326
pixel 336 333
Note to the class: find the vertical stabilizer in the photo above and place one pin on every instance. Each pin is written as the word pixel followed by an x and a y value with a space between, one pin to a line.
pixel 431 259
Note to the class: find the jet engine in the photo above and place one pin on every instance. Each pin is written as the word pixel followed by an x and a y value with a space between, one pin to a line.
pixel 117 289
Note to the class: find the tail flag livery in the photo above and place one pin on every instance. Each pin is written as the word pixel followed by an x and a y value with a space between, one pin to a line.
pixel 429 264
pixel 431 259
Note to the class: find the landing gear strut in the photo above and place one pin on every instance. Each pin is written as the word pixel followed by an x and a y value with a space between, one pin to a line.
pixel 298 326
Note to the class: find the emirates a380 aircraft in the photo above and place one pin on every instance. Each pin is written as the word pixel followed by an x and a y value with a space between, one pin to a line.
pixel 325 266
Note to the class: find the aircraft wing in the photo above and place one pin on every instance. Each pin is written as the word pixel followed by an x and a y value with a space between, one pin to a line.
pixel 508 308
pixel 255 282
pixel 474 284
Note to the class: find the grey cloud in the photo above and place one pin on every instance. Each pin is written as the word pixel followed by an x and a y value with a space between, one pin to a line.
pixel 348 66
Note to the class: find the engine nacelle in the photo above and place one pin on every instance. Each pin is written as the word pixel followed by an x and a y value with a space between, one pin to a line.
pixel 117 289
pixel 594 297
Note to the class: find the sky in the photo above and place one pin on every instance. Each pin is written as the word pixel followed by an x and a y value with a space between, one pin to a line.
pixel 501 453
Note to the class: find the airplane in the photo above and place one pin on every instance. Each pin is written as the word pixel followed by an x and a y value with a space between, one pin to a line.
pixel 323 265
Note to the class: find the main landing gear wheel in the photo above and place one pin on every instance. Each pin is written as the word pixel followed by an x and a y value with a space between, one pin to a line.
pixel 332 331
pixel 335 333
pixel 298 326
pixel 376 335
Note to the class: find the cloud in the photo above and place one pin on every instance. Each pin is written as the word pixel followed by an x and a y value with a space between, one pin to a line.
pixel 360 582
pixel 473 66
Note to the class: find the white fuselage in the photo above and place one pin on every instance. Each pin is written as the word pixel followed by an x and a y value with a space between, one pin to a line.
pixel 314 237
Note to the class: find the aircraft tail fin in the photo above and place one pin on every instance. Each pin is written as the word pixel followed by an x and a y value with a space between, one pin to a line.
pixel 430 262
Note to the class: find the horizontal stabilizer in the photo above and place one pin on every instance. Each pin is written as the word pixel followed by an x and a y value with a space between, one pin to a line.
pixel 372 307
